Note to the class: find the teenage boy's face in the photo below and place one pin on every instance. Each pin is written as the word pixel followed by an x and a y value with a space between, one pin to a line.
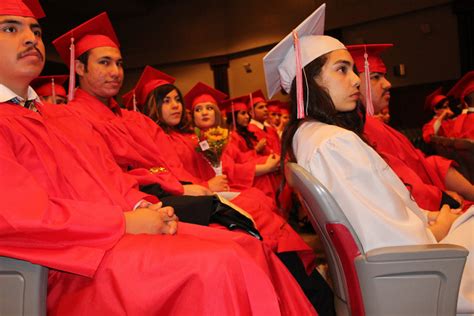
pixel 21 48
pixel 260 111
pixel 104 75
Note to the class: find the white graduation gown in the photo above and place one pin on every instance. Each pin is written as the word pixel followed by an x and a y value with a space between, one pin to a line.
pixel 373 198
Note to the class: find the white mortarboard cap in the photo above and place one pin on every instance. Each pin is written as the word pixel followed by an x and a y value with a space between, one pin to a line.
pixel 280 63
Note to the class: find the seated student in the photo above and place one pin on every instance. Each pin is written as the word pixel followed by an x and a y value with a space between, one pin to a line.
pixel 324 139
pixel 439 104
pixel 258 110
pixel 433 181
pixel 242 169
pixel 463 125
pixel 77 218
pixel 238 118
pixel 50 88
pixel 124 131
pixel 163 104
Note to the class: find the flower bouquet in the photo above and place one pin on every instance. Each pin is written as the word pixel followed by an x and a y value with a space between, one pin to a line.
pixel 211 144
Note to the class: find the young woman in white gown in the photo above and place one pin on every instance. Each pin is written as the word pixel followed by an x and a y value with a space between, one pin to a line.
pixel 327 142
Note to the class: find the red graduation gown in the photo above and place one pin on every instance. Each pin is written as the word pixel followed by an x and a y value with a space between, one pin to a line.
pixel 129 138
pixel 462 126
pixel 423 175
pixel 276 232
pixel 270 134
pixel 428 129
pixel 72 223
pixel 267 183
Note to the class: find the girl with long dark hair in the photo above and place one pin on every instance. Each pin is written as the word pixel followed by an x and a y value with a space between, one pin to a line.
pixel 324 136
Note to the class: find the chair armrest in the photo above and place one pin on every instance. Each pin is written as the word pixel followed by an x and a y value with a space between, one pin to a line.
pixel 411 280
pixel 418 252
pixel 23 287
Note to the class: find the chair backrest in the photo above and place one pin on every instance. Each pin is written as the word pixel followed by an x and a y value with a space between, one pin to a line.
pixel 340 242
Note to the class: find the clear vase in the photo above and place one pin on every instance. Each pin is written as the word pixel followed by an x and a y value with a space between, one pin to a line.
pixel 218 169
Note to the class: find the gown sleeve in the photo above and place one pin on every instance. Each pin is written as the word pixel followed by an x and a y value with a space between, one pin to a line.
pixel 57 232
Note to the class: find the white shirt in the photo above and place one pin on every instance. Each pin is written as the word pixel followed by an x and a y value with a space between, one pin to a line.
pixel 257 123
pixel 6 95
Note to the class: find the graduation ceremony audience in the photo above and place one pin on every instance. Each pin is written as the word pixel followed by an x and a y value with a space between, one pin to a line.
pixel 167 203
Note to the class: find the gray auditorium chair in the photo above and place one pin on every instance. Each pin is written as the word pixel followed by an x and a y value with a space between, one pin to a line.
pixel 406 280
pixel 23 288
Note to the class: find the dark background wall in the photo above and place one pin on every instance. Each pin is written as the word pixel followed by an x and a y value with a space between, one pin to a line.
pixel 185 37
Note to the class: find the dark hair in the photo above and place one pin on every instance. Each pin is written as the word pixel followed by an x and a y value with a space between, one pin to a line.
pixel 243 131
pixel 84 58
pixel 154 103
pixel 320 107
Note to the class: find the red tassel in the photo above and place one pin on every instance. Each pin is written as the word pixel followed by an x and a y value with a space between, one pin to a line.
pixel 53 90
pixel 251 106
pixel 369 107
pixel 233 115
pixel 72 71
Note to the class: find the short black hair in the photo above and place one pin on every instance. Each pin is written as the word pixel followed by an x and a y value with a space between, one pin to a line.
pixel 84 58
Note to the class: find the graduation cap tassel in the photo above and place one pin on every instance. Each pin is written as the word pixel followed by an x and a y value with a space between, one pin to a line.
pixel 299 79
pixel 72 71
pixel 368 91
pixel 251 106
pixel 233 115
pixel 134 101
pixel 53 90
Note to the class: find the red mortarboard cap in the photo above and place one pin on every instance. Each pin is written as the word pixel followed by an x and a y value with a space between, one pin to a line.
pixel 96 32
pixel 150 79
pixel 203 93
pixel 44 85
pixel 434 98
pixel 376 63
pixel 274 106
pixel 25 8
pixel 256 97
pixel 367 59
pixel 463 87
pixel 285 108
pixel 237 104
